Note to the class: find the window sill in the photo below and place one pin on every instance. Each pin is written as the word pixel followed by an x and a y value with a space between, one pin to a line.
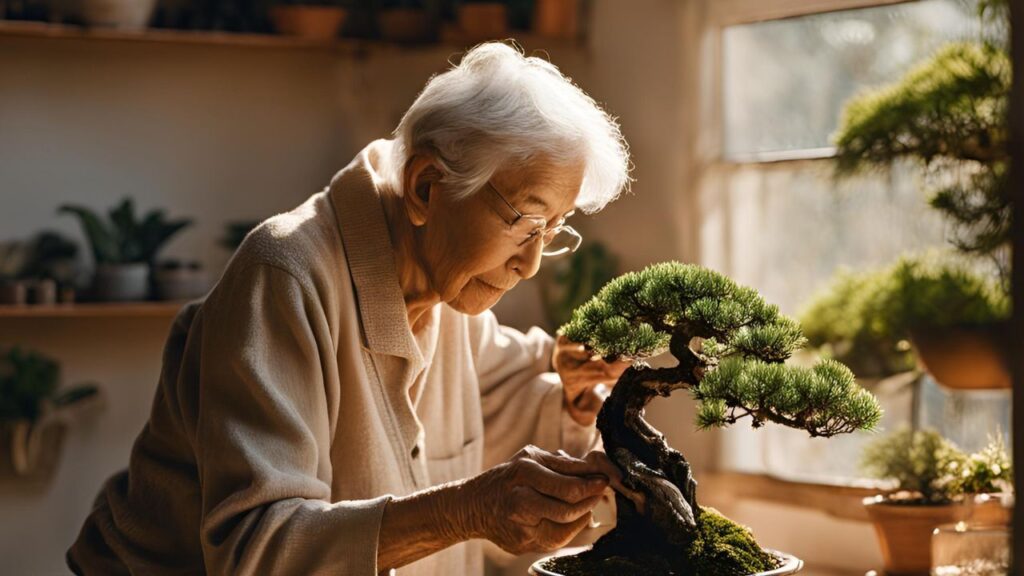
pixel 843 502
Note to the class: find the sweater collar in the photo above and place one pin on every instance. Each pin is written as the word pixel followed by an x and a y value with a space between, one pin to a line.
pixel 355 194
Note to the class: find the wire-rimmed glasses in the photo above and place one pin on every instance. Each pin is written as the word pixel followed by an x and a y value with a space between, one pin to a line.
pixel 558 239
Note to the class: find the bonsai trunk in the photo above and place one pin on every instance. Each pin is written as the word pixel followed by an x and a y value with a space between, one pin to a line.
pixel 648 464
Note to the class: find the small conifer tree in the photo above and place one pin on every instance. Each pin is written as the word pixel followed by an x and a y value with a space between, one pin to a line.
pixel 730 347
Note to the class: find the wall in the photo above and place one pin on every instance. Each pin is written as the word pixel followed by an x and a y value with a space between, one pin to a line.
pixel 222 133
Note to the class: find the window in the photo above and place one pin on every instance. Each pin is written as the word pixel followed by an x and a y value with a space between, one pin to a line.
pixel 774 218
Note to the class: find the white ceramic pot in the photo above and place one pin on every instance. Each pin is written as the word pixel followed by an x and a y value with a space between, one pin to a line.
pixel 790 565
pixel 120 14
pixel 121 282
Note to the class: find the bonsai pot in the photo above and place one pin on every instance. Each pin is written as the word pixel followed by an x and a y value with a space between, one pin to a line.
pixel 790 565
pixel 481 21
pixel 311 22
pixel 180 282
pixel 556 18
pixel 963 357
pixel 120 14
pixel 121 282
pixel 905 532
pixel 406 25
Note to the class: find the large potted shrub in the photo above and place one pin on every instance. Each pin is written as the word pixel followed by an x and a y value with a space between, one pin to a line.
pixel 934 480
pixel 124 248
pixel 932 311
pixel 730 348
pixel 32 410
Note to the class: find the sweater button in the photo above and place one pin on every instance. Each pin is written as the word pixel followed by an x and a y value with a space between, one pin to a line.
pixel 415 451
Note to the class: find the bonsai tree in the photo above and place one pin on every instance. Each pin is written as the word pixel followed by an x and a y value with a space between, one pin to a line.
pixel 730 347
pixel 126 239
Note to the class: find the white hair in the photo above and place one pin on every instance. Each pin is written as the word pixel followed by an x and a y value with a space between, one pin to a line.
pixel 500 109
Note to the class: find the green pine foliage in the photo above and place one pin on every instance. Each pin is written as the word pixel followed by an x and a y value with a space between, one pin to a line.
pixel 745 344
pixel 950 114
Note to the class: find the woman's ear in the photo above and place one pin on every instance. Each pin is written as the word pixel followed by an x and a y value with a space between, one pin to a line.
pixel 421 177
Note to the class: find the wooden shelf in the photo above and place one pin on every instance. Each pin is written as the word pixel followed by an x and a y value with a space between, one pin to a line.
pixel 26 29
pixel 94 310
pixel 449 38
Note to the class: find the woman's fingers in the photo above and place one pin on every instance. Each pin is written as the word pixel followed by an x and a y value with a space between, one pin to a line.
pixel 553 535
pixel 562 484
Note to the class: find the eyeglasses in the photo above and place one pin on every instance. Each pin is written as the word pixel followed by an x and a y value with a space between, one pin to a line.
pixel 523 228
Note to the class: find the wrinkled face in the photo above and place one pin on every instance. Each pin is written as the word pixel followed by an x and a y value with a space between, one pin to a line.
pixel 466 247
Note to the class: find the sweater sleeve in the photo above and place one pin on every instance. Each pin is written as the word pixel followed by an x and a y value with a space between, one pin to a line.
pixel 522 400
pixel 262 436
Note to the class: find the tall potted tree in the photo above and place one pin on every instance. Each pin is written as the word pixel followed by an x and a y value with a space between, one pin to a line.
pixel 730 348
pixel 949 115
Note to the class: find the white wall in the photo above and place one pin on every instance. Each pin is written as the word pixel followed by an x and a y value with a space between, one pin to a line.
pixel 225 133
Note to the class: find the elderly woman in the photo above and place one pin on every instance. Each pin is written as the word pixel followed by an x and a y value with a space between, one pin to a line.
pixel 343 401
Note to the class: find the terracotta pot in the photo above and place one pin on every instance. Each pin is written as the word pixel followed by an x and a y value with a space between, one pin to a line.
pixel 480 21
pixel 905 533
pixel 312 22
pixel 963 358
pixel 791 565
pixel 406 25
pixel 556 18
pixel 120 14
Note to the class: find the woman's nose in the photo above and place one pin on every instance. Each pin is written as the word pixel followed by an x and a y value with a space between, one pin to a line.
pixel 526 262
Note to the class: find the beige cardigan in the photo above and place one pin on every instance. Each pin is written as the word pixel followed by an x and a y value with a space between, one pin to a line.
pixel 295 401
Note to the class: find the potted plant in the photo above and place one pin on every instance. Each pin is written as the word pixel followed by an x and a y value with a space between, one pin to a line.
pixel 930 311
pixel 407 21
pixel 32 409
pixel 932 477
pixel 311 19
pixel 180 281
pixel 730 348
pixel 120 14
pixel 124 248
pixel 949 115
pixel 481 20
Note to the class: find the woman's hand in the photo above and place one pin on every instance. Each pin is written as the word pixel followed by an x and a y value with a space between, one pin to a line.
pixel 537 501
pixel 581 373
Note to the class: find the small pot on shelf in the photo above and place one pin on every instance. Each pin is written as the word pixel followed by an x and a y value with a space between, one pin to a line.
pixel 311 21
pixel 128 282
pixel 481 21
pixel 179 282
pixel 118 14
pixel 556 19
pixel 406 25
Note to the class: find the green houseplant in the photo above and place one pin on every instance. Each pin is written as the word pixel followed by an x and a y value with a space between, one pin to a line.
pixel 934 481
pixel 124 247
pixel 730 347
pixel 31 406
pixel 570 282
